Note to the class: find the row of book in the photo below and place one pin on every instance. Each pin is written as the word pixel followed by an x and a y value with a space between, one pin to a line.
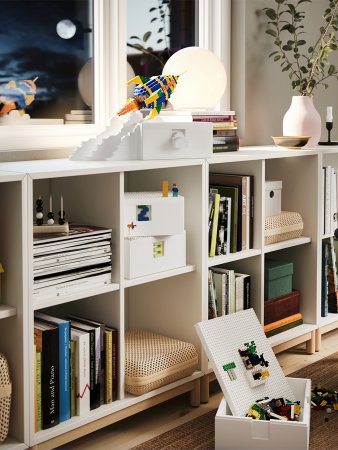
pixel 330 212
pixel 75 367
pixel 225 138
pixel 228 291
pixel 230 213
pixel 329 298
pixel 66 262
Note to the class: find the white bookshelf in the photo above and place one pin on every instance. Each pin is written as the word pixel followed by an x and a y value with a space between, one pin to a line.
pixel 169 302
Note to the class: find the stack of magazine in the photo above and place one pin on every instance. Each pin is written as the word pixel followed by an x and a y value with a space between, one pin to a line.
pixel 64 263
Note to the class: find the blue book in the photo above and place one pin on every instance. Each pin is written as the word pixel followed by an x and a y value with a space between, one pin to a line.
pixel 64 362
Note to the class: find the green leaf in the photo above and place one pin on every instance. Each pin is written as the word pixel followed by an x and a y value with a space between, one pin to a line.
pixel 152 9
pixel 288 27
pixel 287 48
pixel 301 42
pixel 146 36
pixel 153 19
pixel 273 53
pixel 277 58
pixel 135 37
pixel 271 32
pixel 310 49
pixel 271 13
pixel 160 30
pixel 304 69
pixel 331 70
pixel 159 41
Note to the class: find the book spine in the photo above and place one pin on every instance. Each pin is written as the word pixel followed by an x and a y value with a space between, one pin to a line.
pixel 72 378
pixel 212 311
pixel 50 378
pixel 324 302
pixel 214 226
pixel 82 370
pixel 282 322
pixel 327 200
pixel 239 282
pixel 38 409
pixel 64 366
pixel 115 363
pixel 108 337
pixel 247 292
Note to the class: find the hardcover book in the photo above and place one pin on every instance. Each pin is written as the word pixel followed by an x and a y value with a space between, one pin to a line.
pixel 46 339
pixel 82 371
pixel 281 307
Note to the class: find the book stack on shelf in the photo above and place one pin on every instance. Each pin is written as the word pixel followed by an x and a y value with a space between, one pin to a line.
pixel 225 138
pixel 64 263
pixel 79 116
pixel 228 291
pixel 282 303
pixel 231 213
pixel 329 277
pixel 75 367
pixel 330 211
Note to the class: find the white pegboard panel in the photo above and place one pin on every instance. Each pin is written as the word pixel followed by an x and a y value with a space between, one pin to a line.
pixel 221 339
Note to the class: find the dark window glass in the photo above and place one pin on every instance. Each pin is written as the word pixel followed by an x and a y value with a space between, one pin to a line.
pixel 156 29
pixel 53 41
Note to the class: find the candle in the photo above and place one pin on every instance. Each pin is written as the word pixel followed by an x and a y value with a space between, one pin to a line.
pixel 329 117
pixel 61 207
pixel 50 203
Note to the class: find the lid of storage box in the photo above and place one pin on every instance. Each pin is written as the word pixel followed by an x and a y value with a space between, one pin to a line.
pixel 277 269
pixel 233 343
pixel 271 185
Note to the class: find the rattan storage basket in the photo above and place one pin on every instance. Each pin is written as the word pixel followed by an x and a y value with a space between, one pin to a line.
pixel 153 360
pixel 287 225
pixel 5 397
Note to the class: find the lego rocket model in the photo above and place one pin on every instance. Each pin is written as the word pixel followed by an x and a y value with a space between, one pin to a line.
pixel 150 93
pixel 17 95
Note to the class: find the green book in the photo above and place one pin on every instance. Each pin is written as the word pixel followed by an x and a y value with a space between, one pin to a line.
pixel 288 326
pixel 38 408
pixel 72 379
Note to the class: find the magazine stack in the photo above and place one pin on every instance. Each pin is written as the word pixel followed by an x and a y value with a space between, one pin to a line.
pixel 64 263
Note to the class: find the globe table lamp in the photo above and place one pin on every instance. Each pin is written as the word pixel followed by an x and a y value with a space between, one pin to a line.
pixel 203 78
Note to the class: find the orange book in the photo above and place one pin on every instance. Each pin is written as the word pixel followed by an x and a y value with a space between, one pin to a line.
pixel 282 322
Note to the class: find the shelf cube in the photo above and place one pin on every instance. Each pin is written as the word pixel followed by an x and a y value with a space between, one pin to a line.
pixel 152 254
pixel 150 214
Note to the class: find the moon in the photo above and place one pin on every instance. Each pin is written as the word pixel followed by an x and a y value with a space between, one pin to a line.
pixel 66 29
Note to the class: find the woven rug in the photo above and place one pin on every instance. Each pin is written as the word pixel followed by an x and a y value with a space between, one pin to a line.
pixel 199 433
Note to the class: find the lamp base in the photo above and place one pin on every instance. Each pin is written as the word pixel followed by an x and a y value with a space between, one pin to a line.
pixel 327 143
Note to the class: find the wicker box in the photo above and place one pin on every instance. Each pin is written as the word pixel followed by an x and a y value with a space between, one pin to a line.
pixel 5 397
pixel 152 361
pixel 284 226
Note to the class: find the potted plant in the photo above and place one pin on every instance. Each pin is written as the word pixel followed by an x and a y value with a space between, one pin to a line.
pixel 307 65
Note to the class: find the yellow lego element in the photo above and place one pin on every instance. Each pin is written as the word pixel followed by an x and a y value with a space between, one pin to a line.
pixel 265 374
pixel 1 268
pixel 323 403
pixel 165 188
pixel 136 80
pixel 296 409
pixel 335 406
pixel 158 249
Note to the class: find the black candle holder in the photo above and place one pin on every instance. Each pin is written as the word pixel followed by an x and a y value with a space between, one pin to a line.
pixel 329 126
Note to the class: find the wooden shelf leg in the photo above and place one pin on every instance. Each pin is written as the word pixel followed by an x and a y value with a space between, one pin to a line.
pixel 311 344
pixel 204 389
pixel 195 394
pixel 318 339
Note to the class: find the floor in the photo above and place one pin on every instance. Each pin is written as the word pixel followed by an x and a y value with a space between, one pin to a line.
pixel 143 426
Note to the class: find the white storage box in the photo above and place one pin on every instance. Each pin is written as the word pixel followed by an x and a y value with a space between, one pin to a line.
pixel 150 214
pixel 172 140
pixel 245 433
pixel 152 254
pixel 273 198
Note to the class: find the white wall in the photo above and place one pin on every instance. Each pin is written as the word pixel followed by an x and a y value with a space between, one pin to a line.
pixel 261 93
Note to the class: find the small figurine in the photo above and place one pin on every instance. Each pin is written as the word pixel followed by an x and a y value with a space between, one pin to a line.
pixel 39 211
pixel 17 95
pixel 174 190
pixel 62 219
pixel 150 93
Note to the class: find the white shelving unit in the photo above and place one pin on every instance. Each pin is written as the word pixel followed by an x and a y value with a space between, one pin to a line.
pixel 170 302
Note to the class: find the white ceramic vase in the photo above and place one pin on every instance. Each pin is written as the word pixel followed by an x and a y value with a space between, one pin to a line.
pixel 302 119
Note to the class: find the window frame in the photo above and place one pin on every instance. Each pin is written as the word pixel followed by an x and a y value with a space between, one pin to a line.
pixel 109 32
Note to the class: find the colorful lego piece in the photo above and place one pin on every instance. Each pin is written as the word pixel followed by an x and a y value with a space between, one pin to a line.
pixel 158 248
pixel 277 409
pixel 17 95
pixel 150 93
pixel 144 211
pixel 174 190
pixel 229 368
pixel 255 365
pixel 164 188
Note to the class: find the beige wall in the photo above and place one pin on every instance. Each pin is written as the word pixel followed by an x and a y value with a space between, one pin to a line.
pixel 261 93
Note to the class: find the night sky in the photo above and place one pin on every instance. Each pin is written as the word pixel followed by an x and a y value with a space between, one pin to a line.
pixel 30 47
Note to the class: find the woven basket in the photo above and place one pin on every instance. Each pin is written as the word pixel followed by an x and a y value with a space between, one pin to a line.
pixel 5 397
pixel 287 225
pixel 153 360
